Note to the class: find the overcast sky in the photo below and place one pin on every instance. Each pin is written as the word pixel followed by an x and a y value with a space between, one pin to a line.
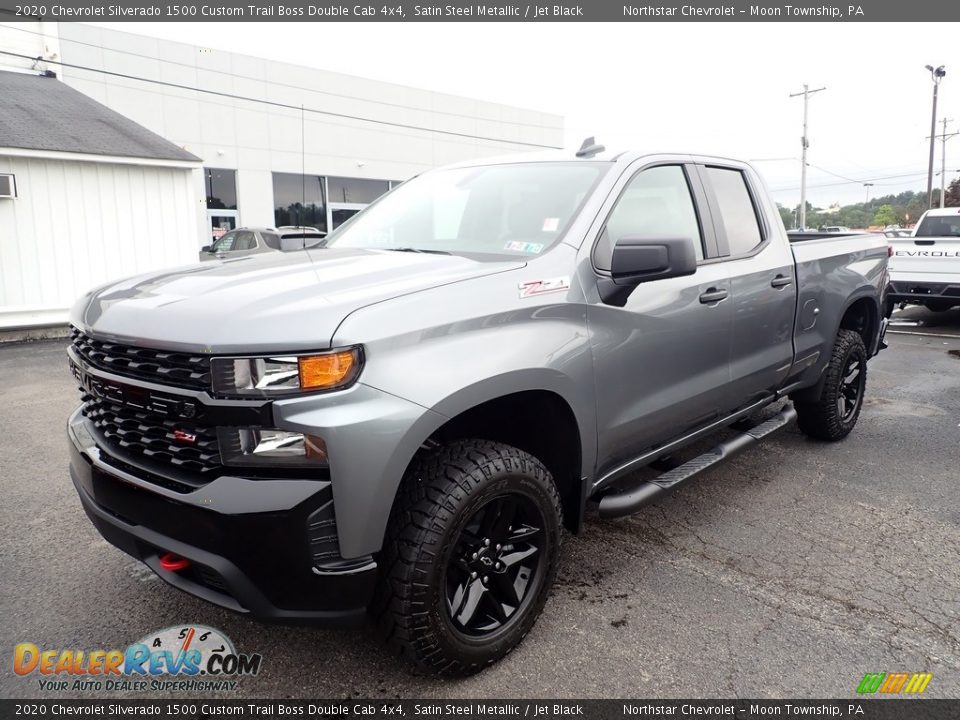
pixel 700 87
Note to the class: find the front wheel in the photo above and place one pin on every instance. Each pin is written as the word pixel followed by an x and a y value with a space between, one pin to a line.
pixel 470 555
pixel 834 414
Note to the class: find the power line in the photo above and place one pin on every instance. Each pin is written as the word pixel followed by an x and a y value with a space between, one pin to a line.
pixel 278 83
pixel 285 106
pixel 861 180
pixel 836 175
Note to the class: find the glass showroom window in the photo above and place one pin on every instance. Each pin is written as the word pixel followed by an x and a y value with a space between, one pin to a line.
pixel 356 190
pixel 298 200
pixel 221 188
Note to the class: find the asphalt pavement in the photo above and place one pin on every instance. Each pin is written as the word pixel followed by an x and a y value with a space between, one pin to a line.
pixel 788 572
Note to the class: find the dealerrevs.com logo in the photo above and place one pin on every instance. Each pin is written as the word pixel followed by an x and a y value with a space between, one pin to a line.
pixel 186 658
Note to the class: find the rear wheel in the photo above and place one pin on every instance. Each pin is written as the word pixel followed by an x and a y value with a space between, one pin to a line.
pixel 835 413
pixel 470 555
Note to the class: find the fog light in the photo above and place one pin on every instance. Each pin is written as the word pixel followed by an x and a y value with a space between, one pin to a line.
pixel 270 447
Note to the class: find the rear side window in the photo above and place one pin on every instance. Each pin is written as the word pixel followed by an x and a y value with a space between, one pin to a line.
pixel 271 240
pixel 656 203
pixel 737 213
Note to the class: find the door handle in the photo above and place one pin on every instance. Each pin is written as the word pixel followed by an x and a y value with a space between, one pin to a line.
pixel 781 281
pixel 713 295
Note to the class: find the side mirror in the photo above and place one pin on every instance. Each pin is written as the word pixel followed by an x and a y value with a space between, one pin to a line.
pixel 207 249
pixel 638 259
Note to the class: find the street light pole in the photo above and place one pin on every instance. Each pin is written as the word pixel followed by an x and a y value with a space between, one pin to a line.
pixel 805 143
pixel 867 186
pixel 936 74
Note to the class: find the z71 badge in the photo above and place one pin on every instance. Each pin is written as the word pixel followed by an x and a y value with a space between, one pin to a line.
pixel 542 287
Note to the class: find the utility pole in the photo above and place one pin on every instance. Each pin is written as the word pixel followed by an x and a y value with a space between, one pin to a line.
pixel 805 143
pixel 936 75
pixel 944 136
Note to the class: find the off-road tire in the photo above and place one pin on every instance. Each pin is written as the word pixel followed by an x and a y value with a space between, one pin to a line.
pixel 439 496
pixel 823 418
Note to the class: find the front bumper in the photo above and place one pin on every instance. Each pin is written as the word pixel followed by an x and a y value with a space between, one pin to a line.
pixel 251 543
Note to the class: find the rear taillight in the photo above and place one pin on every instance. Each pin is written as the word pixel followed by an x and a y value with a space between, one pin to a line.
pixel 889 250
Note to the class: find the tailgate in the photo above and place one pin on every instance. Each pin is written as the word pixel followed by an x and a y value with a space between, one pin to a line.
pixel 931 259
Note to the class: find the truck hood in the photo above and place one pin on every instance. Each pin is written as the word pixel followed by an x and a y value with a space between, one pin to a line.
pixel 271 302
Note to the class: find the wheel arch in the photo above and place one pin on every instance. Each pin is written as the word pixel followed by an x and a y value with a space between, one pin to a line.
pixel 861 313
pixel 537 417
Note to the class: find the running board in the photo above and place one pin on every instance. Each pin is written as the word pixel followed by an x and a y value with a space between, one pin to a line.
pixel 625 503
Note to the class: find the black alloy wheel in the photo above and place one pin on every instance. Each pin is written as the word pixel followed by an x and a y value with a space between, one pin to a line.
pixel 851 389
pixel 470 555
pixel 494 565
pixel 832 412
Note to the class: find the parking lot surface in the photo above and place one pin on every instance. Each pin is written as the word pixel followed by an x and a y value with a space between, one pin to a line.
pixel 788 572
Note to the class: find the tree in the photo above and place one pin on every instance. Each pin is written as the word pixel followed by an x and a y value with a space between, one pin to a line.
pixel 786 215
pixel 952 196
pixel 886 215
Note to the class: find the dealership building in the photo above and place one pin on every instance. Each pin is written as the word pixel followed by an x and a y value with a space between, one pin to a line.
pixel 134 152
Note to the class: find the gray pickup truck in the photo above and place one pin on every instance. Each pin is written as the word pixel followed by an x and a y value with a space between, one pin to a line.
pixel 402 421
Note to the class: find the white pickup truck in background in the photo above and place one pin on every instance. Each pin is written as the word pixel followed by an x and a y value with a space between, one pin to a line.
pixel 925 268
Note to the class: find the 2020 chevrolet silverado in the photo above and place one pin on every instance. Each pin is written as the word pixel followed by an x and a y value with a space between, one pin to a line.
pixel 400 422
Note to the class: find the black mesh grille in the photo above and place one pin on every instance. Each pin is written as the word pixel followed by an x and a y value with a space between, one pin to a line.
pixel 154 437
pixel 164 367
pixel 210 577
pixel 322 534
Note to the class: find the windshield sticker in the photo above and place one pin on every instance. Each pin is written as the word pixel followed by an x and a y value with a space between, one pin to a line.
pixel 542 287
pixel 551 224
pixel 527 247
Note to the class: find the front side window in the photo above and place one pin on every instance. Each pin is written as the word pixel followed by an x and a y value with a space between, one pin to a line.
pixel 225 243
pixel 656 203
pixel 514 210
pixel 246 240
pixel 737 213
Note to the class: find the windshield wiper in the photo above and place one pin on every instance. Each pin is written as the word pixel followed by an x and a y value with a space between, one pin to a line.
pixel 418 250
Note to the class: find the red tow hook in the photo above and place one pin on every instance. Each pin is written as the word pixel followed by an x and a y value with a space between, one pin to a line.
pixel 173 563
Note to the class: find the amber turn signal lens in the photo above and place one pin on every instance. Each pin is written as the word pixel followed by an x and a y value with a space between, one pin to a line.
pixel 326 371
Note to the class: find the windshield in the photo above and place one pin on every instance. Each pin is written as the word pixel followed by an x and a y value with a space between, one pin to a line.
pixel 519 210
pixel 939 226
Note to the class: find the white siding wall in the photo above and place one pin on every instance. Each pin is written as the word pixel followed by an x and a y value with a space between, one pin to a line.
pixel 75 225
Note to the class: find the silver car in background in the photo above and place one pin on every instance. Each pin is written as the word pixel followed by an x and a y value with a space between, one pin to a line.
pixel 246 241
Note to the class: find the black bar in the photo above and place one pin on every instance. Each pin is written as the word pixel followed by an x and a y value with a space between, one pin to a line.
pixel 854 708
pixel 491 11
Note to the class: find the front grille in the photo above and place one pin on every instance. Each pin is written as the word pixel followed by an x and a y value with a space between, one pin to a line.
pixel 165 367
pixel 151 437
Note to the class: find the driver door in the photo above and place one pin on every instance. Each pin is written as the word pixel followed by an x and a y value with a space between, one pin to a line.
pixel 662 361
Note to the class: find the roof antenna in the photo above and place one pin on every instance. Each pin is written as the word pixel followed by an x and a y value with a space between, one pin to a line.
pixel 590 148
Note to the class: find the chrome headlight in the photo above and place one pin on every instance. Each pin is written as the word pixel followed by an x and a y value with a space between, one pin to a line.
pixel 278 375
pixel 270 447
